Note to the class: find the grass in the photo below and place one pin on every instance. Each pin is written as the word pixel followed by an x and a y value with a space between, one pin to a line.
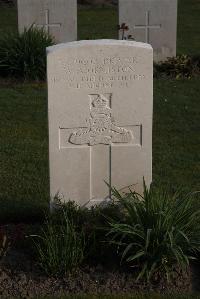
pixel 97 23
pixel 24 151
pixel 60 248
pixel 188 27
pixel 176 136
pixel 157 231
pixel 24 181
pixel 8 18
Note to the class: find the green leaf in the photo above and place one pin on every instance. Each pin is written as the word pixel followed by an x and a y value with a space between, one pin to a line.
pixel 136 256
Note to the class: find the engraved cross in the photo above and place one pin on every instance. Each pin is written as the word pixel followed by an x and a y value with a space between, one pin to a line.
pixel 47 24
pixel 100 137
pixel 147 26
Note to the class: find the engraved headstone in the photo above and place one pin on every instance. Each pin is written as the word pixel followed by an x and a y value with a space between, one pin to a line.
pixel 100 103
pixel 153 22
pixel 57 17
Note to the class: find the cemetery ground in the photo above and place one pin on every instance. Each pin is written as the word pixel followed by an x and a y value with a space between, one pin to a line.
pixel 24 181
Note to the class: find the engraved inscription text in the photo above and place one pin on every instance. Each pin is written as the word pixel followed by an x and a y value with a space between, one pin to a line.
pixel 97 73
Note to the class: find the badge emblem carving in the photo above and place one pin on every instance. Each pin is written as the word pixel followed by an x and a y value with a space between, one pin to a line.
pixel 101 127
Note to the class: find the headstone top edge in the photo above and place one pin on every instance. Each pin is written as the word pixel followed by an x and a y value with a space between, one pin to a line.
pixel 103 42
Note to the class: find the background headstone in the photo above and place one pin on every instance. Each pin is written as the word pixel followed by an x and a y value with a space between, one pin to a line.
pixel 100 102
pixel 57 17
pixel 153 22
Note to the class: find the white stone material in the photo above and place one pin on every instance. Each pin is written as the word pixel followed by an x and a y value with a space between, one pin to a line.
pixel 153 22
pixel 57 17
pixel 100 102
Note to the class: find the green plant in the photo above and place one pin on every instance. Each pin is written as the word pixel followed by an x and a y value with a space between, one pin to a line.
pixel 60 247
pixel 93 222
pixel 23 55
pixel 4 243
pixel 181 66
pixel 158 231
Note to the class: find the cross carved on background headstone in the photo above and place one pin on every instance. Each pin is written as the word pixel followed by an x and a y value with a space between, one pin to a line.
pixel 47 23
pixel 147 26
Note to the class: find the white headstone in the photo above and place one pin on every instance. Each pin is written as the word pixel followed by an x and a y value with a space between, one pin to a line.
pixel 100 102
pixel 57 17
pixel 153 22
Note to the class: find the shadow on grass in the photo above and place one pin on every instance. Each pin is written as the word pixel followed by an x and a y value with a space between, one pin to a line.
pixel 22 211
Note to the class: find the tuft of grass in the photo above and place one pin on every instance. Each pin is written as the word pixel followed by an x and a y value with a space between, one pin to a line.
pixel 60 247
pixel 23 55
pixel 4 243
pixel 93 223
pixel 158 231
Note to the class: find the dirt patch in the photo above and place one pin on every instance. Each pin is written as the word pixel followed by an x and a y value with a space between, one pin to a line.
pixel 20 284
pixel 20 277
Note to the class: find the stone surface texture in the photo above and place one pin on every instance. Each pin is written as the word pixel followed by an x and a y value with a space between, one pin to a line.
pixel 153 22
pixel 100 103
pixel 57 17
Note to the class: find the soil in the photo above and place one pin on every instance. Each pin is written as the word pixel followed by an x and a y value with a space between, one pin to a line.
pixel 20 277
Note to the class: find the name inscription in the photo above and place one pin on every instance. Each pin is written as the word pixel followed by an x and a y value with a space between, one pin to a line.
pixel 107 72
